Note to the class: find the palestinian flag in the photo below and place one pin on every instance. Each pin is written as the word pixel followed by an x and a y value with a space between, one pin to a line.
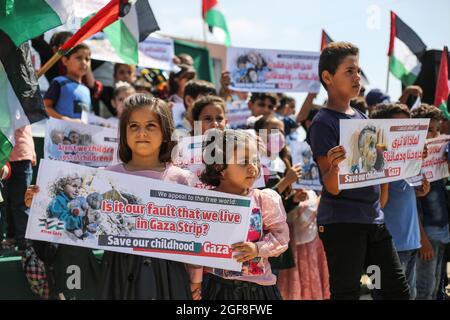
pixel 442 90
pixel 213 17
pixel 405 51
pixel 109 14
pixel 326 39
pixel 26 19
pixel 20 99
pixel 136 24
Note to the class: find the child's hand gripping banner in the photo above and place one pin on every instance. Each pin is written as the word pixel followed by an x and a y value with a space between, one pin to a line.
pixel 261 70
pixel 380 150
pixel 101 209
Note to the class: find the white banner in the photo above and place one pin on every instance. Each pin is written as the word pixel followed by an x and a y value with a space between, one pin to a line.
pixel 100 209
pixel 89 145
pixel 380 150
pixel 94 120
pixel 237 114
pixel 190 157
pixel 435 165
pixel 154 53
pixel 261 70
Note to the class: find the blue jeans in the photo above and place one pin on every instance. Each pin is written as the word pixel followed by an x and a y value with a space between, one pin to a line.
pixel 14 195
pixel 429 273
pixel 408 263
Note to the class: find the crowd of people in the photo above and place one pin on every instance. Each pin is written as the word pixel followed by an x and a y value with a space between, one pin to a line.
pixel 302 244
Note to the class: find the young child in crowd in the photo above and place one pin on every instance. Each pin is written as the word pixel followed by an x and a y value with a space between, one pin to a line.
pixel 121 73
pixel 400 211
pixel 67 97
pixel 308 279
pixel 268 236
pixel 351 223
pixel 261 104
pixel 177 83
pixel 285 112
pixel 192 91
pixel 433 213
pixel 122 91
pixel 145 148
pixel 211 112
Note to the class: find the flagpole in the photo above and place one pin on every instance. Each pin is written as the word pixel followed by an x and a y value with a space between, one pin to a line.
pixel 204 34
pixel 387 78
pixel 49 64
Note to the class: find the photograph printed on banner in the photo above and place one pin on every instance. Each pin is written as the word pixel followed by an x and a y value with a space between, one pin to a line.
pixel 302 154
pixel 263 70
pixel 380 150
pixel 75 209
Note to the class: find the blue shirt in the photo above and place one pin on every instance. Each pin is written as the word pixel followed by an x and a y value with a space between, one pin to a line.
pixel 69 96
pixel 433 209
pixel 58 209
pixel 361 205
pixel 401 217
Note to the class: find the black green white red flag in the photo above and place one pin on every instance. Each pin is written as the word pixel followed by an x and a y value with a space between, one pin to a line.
pixel 22 20
pixel 20 98
pixel 405 51
pixel 442 85
pixel 213 17
pixel 326 39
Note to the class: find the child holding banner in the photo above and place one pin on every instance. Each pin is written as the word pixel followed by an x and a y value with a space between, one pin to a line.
pixel 400 211
pixel 67 97
pixel 234 169
pixel 351 223
pixel 303 271
pixel 433 213
pixel 145 148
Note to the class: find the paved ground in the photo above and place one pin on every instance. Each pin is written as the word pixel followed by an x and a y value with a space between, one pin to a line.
pixel 365 280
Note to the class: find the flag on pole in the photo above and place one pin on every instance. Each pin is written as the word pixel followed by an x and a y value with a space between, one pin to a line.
pixel 20 98
pixel 442 89
pixel 124 37
pixel 326 39
pixel 213 17
pixel 23 20
pixel 134 27
pixel 405 51
pixel 106 16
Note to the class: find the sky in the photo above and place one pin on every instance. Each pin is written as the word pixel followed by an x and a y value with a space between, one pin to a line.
pixel 297 25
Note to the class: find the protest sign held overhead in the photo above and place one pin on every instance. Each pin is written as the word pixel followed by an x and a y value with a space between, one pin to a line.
pixel 262 70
